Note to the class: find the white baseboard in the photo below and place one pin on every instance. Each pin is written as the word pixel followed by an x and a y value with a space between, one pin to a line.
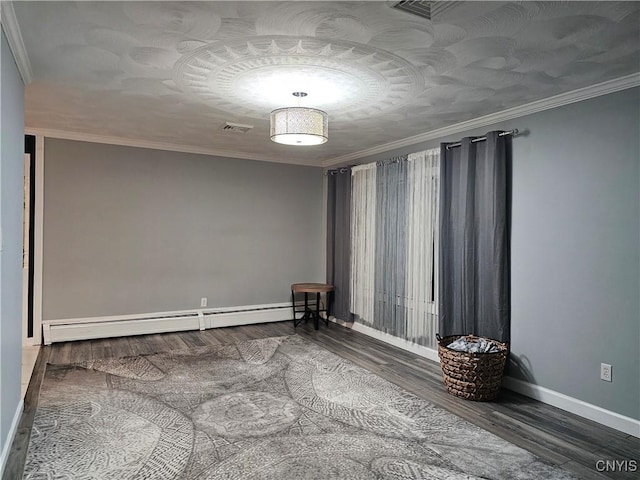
pixel 69 329
pixel 550 397
pixel 249 317
pixel 600 415
pixel 6 448
pixel 426 352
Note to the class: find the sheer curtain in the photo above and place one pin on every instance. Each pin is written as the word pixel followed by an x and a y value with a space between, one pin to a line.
pixel 363 240
pixel 422 246
pixel 391 223
pixel 394 241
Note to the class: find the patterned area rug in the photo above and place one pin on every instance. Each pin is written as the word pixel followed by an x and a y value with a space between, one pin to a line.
pixel 275 408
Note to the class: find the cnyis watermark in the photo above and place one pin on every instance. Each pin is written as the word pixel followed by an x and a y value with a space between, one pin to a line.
pixel 617 465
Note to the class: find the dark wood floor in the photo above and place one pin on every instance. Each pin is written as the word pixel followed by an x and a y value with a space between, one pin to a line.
pixel 559 437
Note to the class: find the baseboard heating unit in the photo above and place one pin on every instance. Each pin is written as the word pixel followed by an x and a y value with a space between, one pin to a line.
pixel 68 329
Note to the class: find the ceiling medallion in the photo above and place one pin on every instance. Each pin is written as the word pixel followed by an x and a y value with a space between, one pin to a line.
pixel 353 80
pixel 300 126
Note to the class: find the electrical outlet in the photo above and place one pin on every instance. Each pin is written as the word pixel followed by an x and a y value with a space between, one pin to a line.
pixel 203 302
pixel 605 372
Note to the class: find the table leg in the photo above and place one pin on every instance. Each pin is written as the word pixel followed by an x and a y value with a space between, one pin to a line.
pixel 293 307
pixel 316 318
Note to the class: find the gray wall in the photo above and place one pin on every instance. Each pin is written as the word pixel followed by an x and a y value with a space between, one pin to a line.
pixel 131 230
pixel 575 248
pixel 11 175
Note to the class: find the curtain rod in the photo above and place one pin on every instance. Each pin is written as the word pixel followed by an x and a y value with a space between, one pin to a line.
pixel 349 167
pixel 513 132
pixel 338 170
pixel 399 159
pixel 378 163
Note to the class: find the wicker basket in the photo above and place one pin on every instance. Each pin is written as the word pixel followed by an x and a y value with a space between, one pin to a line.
pixel 472 376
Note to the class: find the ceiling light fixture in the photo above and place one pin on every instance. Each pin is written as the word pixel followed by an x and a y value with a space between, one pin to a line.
pixel 299 125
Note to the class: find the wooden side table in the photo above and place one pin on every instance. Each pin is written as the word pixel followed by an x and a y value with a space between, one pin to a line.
pixel 309 313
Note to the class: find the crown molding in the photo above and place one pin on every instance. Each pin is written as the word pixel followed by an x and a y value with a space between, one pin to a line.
pixel 574 96
pixel 14 37
pixel 171 147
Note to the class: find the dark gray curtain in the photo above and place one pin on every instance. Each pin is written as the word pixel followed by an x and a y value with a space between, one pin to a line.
pixel 474 239
pixel 339 240
pixel 390 298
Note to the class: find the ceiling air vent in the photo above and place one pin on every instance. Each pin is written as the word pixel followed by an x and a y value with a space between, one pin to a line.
pixel 236 127
pixel 414 7
pixel 429 10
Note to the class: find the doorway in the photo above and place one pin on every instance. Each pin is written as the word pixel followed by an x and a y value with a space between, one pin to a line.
pixel 31 335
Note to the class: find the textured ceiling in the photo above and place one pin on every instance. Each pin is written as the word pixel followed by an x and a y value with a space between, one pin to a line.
pixel 174 72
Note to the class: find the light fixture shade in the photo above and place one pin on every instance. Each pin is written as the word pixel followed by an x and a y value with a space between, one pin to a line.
pixel 299 126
